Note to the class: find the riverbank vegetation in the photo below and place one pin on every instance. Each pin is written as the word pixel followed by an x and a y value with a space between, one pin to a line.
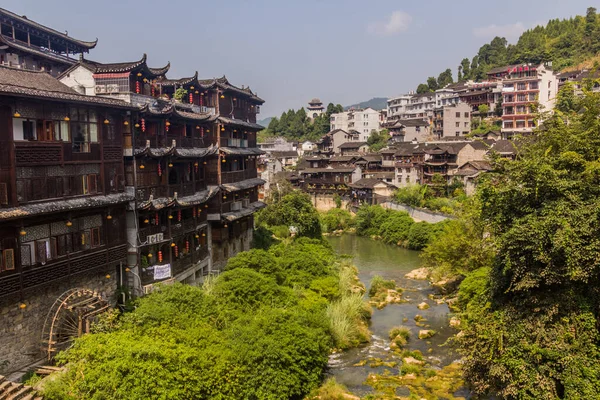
pixel 528 248
pixel 395 227
pixel 439 196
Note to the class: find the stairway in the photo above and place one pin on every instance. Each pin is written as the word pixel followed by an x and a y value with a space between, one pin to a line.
pixel 16 391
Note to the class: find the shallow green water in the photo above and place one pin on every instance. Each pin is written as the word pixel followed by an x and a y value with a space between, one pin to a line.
pixel 391 262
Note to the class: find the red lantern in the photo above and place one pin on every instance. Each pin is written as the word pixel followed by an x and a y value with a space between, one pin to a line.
pixel 201 99
pixel 167 124
pixel 156 218
pixel 137 87
pixel 191 98
pixel 176 251
pixel 202 132
pixel 187 246
pixel 159 170
pixel 179 215
pixel 194 212
pixel 160 256
pixel 152 90
pixel 143 125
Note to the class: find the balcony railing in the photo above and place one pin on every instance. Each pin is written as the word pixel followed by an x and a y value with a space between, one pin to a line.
pixel 237 176
pixel 167 141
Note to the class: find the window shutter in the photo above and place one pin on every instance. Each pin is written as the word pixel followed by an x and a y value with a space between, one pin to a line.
pixel 92 184
pixel 9 259
pixel 3 194
pixel 53 248
pixel 41 254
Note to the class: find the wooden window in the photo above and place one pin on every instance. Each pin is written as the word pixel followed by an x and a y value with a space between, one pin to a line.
pixel 96 237
pixel 8 260
pixel 28 130
pixel 3 194
pixel 53 248
pixel 92 183
pixel 84 184
pixel 41 252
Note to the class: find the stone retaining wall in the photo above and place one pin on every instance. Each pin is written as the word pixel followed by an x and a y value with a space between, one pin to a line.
pixel 418 214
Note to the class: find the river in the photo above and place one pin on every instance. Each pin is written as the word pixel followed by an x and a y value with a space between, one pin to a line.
pixel 391 262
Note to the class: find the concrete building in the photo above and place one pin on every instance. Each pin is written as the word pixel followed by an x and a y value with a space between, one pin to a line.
pixel 314 109
pixel 420 106
pixel 331 142
pixel 486 93
pixel 353 148
pixel 523 86
pixel 277 144
pixel 307 147
pixel 397 106
pixel 363 121
pixel 409 130
pixel 452 120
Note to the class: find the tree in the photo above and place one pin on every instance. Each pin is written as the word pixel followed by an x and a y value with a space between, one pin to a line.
pixel 483 109
pixel 293 210
pixel 378 140
pixel 466 68
pixel 422 88
pixel 444 79
pixel 432 83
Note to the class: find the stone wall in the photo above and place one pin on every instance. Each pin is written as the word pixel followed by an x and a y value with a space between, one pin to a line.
pixel 325 202
pixel 221 252
pixel 21 330
pixel 418 214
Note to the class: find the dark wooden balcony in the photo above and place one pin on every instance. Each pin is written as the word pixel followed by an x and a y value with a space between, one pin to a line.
pixel 63 268
pixel 238 176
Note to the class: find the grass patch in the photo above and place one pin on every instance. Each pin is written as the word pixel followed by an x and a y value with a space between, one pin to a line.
pixel 347 320
pixel 330 390
pixel 383 292
pixel 399 337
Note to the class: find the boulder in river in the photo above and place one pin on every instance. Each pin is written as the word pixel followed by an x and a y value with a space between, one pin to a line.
pixel 448 285
pixel 420 274
pixel 423 306
pixel 426 333
pixel 454 322
pixel 412 360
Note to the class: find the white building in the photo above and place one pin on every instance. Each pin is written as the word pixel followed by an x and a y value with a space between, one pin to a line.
pixel 363 121
pixel 397 106
pixel 420 106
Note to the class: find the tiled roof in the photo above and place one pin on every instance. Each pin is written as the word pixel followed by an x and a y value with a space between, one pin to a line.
pixel 242 151
pixel 243 185
pixel 282 154
pixel 63 205
pixel 342 159
pixel 127 66
pixel 240 123
pixel 4 14
pixel 351 145
pixel 327 170
pixel 25 83
pixel 504 147
pixel 367 183
pixel 244 212
pixel 224 84
pixel 179 82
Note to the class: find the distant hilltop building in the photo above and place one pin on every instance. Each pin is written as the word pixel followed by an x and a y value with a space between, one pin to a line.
pixel 315 108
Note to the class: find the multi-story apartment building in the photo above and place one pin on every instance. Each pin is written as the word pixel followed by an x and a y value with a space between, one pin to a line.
pixel 477 94
pixel 452 120
pixel 420 106
pixel 448 95
pixel 526 90
pixel 28 45
pixel 396 106
pixel 62 212
pixel 363 121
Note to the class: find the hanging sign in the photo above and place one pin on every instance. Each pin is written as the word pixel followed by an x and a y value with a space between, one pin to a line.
pixel 162 272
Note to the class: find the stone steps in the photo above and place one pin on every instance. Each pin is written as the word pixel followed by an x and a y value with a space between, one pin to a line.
pixel 16 391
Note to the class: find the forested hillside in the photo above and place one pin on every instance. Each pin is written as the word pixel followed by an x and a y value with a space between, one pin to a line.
pixel 296 126
pixel 565 43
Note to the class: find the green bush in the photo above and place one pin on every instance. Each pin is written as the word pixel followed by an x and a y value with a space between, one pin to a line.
pixel 396 226
pixel 379 284
pixel 336 219
pixel 412 195
pixel 294 209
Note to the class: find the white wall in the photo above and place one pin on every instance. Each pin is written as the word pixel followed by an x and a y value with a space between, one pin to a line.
pixel 80 76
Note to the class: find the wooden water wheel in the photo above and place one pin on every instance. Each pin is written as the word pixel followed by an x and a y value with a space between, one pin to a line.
pixel 70 316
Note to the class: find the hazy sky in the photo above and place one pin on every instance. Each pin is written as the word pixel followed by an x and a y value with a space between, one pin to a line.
pixel 291 51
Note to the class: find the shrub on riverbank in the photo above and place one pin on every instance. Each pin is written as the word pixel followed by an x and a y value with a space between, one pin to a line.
pixel 294 209
pixel 336 219
pixel 396 227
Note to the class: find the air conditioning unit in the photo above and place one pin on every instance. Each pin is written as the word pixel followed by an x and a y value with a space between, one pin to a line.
pixel 114 88
pixel 100 89
pixel 245 203
pixel 236 206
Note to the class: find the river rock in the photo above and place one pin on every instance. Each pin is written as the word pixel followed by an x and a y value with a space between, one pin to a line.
pixel 420 274
pixel 454 322
pixel 426 333
pixel 448 285
pixel 423 306
pixel 412 360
